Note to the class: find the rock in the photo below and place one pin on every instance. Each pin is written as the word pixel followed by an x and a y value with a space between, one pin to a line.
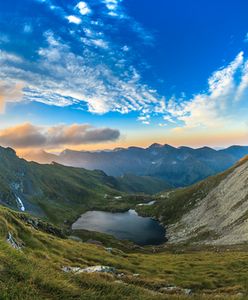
pixel 175 290
pixel 94 269
pixel 90 241
pixel 16 245
pixel 136 275
pixel 109 249
pixel 98 269
pixel 71 269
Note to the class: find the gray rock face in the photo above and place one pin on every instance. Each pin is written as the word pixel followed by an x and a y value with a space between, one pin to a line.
pixel 219 218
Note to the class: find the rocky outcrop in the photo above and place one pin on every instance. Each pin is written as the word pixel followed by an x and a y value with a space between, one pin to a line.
pixel 13 242
pixel 94 269
pixel 221 217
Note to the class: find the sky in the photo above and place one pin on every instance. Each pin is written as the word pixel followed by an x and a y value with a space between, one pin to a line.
pixel 100 74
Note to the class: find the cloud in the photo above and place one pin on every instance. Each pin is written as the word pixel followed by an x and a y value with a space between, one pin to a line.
pixel 219 104
pixel 113 7
pixel 83 8
pixel 30 136
pixel 246 38
pixel 94 67
pixel 27 28
pixel 10 92
pixel 62 78
pixel 145 119
pixel 84 66
pixel 74 19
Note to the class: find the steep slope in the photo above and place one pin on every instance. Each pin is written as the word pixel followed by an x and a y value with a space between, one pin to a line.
pixel 38 262
pixel 214 211
pixel 177 166
pixel 56 192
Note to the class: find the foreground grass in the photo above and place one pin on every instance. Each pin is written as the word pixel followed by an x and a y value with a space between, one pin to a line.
pixel 35 271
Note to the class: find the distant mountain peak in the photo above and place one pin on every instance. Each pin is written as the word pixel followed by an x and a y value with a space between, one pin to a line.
pixel 155 145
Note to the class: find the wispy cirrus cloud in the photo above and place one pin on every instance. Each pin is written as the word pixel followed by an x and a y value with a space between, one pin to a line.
pixel 62 78
pixel 30 136
pixel 96 73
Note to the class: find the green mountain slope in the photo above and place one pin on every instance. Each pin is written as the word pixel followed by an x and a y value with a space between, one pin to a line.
pixel 33 265
pixel 213 211
pixel 56 192
pixel 146 184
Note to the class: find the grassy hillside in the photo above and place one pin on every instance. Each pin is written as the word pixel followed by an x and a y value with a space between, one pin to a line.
pixel 141 184
pixel 35 271
pixel 172 207
pixel 58 193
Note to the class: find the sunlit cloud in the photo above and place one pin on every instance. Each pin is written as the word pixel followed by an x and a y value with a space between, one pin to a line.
pixel 83 8
pixel 30 136
pixel 74 19
pixel 218 105
pixel 10 92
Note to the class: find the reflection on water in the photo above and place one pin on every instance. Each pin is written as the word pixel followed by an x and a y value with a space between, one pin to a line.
pixel 124 226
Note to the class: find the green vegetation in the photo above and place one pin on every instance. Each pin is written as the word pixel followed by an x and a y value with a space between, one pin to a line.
pixel 171 206
pixel 59 193
pixel 35 271
pixel 148 185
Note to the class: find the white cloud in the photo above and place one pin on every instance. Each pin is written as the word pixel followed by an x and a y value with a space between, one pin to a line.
pixel 62 78
pixel 100 43
pixel 74 19
pixel 216 107
pixel 145 119
pixel 111 4
pixel 125 48
pixel 169 119
pixel 83 8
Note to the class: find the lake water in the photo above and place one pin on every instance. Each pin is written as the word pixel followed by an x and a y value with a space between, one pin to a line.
pixel 125 226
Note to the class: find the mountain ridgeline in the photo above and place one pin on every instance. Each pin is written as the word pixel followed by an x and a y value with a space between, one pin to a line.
pixel 61 193
pixel 176 166
pixel 213 211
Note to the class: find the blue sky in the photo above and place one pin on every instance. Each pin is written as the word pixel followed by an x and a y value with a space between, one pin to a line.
pixel 145 71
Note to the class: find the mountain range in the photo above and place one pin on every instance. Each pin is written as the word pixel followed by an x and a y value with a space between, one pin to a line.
pixel 60 193
pixel 176 166
pixel 41 258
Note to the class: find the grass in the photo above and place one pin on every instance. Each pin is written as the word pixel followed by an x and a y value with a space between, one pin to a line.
pixel 60 194
pixel 35 271
pixel 171 206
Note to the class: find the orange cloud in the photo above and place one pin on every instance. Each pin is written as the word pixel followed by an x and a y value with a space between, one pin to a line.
pixel 30 136
pixel 9 92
